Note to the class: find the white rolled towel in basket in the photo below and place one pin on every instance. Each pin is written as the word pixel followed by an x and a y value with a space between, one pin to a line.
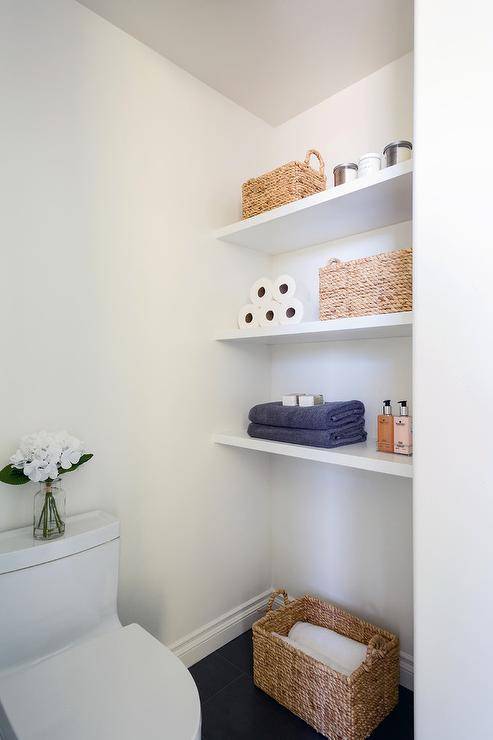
pixel 341 653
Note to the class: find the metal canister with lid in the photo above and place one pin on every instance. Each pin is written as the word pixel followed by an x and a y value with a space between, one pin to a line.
pixel 397 151
pixel 345 173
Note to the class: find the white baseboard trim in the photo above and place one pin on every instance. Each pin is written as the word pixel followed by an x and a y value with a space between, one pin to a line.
pixel 407 671
pixel 205 640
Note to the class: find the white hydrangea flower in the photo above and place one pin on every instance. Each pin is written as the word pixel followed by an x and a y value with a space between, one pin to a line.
pixel 40 470
pixel 70 457
pixel 41 455
pixel 17 460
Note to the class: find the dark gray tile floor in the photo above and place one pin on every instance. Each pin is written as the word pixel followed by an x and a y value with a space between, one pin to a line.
pixel 234 709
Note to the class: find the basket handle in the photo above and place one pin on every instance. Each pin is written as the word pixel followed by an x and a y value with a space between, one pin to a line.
pixel 319 157
pixel 378 647
pixel 278 592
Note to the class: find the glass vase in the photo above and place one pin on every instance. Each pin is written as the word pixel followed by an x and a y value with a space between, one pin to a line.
pixel 49 511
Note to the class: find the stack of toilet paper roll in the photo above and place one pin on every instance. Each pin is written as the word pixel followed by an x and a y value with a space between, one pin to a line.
pixel 273 303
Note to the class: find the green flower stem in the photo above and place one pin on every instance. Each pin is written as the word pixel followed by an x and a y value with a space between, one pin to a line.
pixel 61 525
pixel 55 514
pixel 45 518
pixel 40 517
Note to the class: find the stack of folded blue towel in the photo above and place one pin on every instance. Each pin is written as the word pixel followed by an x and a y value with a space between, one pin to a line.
pixel 330 424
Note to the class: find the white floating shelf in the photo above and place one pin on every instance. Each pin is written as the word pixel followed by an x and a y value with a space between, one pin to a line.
pixel 361 205
pixel 336 330
pixel 362 456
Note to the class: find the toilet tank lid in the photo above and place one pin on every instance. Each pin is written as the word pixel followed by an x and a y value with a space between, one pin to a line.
pixel 19 550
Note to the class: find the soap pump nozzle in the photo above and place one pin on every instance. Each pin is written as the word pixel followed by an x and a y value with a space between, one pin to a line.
pixel 387 408
pixel 403 411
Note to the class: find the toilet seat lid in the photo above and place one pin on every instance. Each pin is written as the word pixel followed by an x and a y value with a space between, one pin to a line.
pixel 121 685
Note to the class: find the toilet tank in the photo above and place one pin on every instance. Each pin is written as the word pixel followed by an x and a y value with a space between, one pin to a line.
pixel 54 594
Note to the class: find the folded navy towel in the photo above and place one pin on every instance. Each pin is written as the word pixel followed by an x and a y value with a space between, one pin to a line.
pixel 330 415
pixel 311 437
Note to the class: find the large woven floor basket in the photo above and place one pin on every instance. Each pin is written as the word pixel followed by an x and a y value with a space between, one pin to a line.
pixel 367 286
pixel 292 181
pixel 340 707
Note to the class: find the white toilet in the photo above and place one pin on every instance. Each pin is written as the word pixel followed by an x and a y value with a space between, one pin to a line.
pixel 68 669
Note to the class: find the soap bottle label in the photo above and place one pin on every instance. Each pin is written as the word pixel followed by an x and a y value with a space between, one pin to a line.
pixel 385 439
pixel 403 435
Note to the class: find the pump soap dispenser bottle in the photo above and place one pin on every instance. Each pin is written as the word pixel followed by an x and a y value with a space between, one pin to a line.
pixel 403 431
pixel 385 435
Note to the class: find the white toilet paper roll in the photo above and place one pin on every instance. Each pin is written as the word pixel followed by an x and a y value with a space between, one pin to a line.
pixel 290 311
pixel 261 292
pixel 268 315
pixel 283 288
pixel 247 316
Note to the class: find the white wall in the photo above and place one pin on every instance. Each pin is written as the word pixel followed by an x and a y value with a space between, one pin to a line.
pixel 347 535
pixel 115 167
pixel 453 371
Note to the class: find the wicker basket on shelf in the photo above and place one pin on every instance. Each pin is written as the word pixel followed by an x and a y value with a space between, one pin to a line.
pixel 338 706
pixel 292 181
pixel 367 286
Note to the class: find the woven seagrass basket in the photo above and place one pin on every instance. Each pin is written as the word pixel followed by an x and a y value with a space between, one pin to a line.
pixel 338 706
pixel 367 286
pixel 292 181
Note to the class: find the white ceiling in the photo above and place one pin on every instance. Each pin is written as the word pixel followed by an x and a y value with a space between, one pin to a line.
pixel 276 58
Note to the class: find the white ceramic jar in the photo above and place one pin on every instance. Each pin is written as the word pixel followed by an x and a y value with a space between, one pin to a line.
pixel 369 164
